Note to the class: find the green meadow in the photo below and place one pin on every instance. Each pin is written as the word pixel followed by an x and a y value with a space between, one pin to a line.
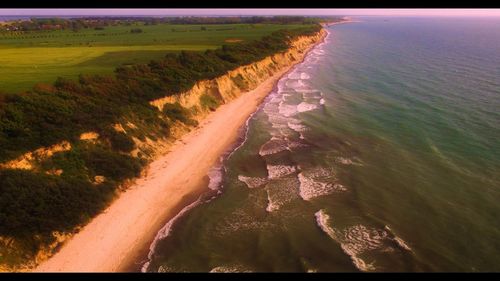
pixel 27 58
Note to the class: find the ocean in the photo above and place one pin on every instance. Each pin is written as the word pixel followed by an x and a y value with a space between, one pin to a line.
pixel 380 152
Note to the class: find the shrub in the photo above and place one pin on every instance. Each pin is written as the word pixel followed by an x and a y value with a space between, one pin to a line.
pixel 208 101
pixel 103 162
pixel 120 141
pixel 35 203
pixel 175 111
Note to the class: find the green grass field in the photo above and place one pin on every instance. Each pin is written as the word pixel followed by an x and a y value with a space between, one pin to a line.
pixel 42 56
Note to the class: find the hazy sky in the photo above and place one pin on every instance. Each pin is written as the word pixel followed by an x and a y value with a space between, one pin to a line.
pixel 159 12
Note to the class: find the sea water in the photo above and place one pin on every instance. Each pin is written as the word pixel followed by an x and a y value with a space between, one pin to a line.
pixel 380 152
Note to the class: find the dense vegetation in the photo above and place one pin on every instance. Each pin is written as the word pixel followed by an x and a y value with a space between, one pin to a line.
pixel 37 202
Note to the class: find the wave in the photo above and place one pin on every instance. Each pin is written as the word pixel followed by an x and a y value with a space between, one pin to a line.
pixel 238 221
pixel 166 230
pixel 322 220
pixel 281 192
pixel 351 249
pixel 310 187
pixel 312 94
pixel 297 127
pixel 215 175
pixel 165 269
pixel 271 206
pixel 319 50
pixel 273 146
pixel 278 171
pixel 399 241
pixel 252 182
pixel 287 110
pixel 229 269
pixel 299 75
pixel 294 83
pixel 304 106
pixel 359 239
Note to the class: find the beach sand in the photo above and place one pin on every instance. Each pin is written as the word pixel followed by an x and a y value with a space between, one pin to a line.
pixel 118 239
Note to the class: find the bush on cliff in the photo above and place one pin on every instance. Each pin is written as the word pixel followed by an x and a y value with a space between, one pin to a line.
pixel 208 101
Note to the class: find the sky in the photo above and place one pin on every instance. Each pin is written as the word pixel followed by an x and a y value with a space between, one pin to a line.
pixel 236 12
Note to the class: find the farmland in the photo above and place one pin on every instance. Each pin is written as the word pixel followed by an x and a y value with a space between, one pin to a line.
pixel 27 58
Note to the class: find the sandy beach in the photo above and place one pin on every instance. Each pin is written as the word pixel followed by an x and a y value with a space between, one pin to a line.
pixel 119 238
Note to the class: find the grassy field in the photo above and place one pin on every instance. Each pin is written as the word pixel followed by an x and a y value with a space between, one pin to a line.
pixel 42 56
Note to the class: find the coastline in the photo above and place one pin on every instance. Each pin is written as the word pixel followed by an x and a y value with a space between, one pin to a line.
pixel 119 238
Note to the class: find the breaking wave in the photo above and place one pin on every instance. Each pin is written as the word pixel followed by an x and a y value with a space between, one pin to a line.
pixel 278 171
pixel 252 182
pixel 358 239
pixel 281 192
pixel 304 106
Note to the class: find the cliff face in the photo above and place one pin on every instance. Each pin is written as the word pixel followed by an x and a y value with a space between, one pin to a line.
pixel 244 78
pixel 225 88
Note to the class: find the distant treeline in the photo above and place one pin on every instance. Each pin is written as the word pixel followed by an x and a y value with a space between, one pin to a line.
pixel 34 203
pixel 76 24
pixel 248 20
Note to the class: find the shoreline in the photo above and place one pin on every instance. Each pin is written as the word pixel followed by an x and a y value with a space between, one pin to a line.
pixel 119 238
pixel 241 139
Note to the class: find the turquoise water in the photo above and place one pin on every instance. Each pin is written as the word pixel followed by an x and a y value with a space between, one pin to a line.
pixel 380 152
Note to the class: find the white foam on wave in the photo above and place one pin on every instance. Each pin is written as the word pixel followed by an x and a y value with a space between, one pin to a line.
pixel 347 161
pixel 228 269
pixel 401 243
pixel 277 121
pixel 252 182
pixel 310 91
pixel 310 188
pixel 297 127
pixel 278 171
pixel 164 269
pixel 287 110
pixel 238 221
pixel 297 74
pixel 215 175
pixel 271 205
pixel 304 106
pixel 323 220
pixel 274 145
pixel 294 83
pixel 354 240
pixel 296 144
pixel 312 94
pixel 166 230
pixel 319 52
pixel 281 192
